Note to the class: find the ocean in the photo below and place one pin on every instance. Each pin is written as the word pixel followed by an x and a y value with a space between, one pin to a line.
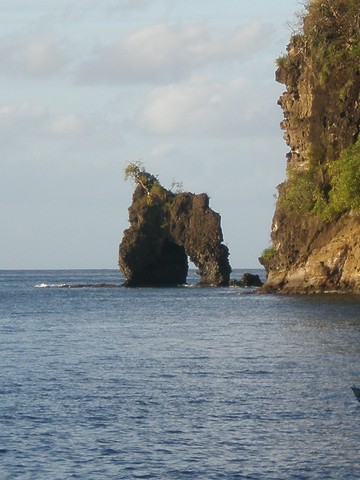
pixel 100 382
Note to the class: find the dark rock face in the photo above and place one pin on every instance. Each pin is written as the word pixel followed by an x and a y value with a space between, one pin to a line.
pixel 251 280
pixel 247 280
pixel 165 229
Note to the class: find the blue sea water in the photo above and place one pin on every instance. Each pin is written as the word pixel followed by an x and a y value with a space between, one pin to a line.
pixel 176 383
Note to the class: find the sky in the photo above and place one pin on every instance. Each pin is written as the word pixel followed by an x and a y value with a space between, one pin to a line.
pixel 186 87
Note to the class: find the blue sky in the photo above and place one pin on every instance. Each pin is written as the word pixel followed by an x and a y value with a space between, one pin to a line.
pixel 187 87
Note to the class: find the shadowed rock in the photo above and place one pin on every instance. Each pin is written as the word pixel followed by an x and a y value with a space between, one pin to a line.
pixel 165 230
pixel 248 280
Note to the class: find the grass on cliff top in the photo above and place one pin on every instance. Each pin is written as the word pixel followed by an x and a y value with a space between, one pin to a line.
pixel 328 33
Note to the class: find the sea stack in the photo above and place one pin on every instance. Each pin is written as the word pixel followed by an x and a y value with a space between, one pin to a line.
pixel 165 230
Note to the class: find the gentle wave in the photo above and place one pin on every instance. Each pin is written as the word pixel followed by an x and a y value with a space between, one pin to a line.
pixel 78 285
pixel 115 285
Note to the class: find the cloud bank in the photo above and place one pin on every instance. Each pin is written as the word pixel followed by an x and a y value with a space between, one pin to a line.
pixel 164 53
pixel 34 56
pixel 203 107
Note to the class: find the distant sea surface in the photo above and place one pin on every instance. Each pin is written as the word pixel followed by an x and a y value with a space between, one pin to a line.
pixel 101 382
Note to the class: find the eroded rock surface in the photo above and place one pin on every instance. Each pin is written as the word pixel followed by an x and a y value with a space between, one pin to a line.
pixel 165 230
pixel 316 225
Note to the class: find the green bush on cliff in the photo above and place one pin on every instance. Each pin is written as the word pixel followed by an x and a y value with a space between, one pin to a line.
pixel 268 254
pixel 306 192
pixel 345 181
pixel 282 61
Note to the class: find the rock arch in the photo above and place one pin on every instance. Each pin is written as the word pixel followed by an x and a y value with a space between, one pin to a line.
pixel 165 229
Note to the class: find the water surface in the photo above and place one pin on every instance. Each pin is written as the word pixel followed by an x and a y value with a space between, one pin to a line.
pixel 177 383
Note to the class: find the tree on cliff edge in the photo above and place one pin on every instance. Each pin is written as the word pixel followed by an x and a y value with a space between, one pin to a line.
pixel 137 172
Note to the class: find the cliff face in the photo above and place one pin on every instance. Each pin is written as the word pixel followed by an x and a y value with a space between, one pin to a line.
pixel 167 228
pixel 316 225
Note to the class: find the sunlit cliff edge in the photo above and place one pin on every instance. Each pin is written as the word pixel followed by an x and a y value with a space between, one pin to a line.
pixel 316 225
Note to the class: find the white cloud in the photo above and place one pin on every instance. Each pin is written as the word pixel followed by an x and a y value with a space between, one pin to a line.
pixel 69 125
pixel 36 56
pixel 17 121
pixel 26 128
pixel 166 53
pixel 162 150
pixel 21 123
pixel 83 10
pixel 129 4
pixel 24 111
pixel 234 108
pixel 42 56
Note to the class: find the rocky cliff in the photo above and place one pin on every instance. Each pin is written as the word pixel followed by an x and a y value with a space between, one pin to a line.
pixel 316 225
pixel 165 230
